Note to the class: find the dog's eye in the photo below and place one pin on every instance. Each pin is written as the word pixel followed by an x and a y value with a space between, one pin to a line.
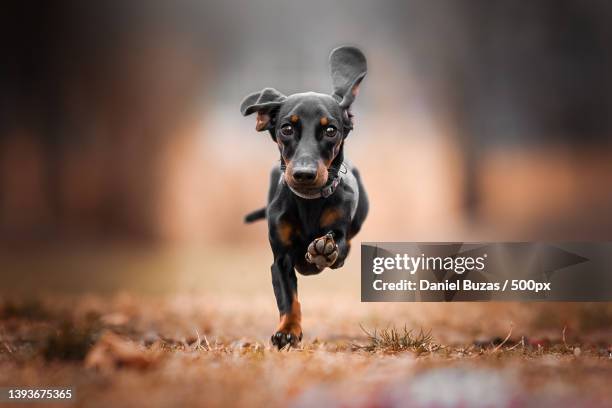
pixel 331 131
pixel 287 130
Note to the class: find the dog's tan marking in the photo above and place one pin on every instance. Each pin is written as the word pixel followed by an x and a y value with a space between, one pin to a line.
pixel 285 231
pixel 262 121
pixel 322 174
pixel 292 322
pixel 294 118
pixel 330 216
pixel 324 121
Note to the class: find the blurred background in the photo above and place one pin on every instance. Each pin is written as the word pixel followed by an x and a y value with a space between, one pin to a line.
pixel 126 165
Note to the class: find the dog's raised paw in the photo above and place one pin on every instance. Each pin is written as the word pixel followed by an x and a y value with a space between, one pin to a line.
pixel 282 339
pixel 322 252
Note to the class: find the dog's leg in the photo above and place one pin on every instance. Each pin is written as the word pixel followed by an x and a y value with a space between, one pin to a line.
pixel 284 281
pixel 331 249
pixel 344 246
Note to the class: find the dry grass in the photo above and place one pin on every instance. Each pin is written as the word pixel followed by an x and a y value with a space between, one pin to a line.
pixel 394 340
pixel 190 351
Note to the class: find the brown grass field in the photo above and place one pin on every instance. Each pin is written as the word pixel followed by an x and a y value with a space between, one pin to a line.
pixel 127 273
pixel 147 338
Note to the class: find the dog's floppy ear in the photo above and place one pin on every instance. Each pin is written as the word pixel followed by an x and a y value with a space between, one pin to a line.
pixel 348 68
pixel 262 102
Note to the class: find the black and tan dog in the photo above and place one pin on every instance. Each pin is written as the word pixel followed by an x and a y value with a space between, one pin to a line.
pixel 316 202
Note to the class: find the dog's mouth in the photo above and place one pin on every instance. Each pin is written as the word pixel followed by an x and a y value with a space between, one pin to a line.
pixel 306 180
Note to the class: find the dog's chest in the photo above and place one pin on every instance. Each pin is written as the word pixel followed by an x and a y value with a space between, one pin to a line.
pixel 316 218
pixel 309 218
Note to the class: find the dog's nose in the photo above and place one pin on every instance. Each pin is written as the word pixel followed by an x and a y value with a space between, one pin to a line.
pixel 304 175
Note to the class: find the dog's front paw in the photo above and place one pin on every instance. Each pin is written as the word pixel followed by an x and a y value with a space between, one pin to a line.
pixel 290 336
pixel 322 252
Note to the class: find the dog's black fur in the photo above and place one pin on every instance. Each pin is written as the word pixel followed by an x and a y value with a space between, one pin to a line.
pixel 309 234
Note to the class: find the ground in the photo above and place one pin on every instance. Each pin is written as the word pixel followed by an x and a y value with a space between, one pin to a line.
pixel 209 345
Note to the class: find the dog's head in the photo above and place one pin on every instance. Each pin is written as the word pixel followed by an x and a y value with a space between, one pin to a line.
pixel 310 127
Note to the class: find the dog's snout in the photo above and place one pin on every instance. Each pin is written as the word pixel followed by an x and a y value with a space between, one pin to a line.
pixel 304 174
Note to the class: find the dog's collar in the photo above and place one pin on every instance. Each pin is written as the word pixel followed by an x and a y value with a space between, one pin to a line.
pixel 327 190
pixel 322 192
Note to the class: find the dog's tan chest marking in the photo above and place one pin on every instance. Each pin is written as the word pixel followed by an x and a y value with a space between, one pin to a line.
pixel 330 216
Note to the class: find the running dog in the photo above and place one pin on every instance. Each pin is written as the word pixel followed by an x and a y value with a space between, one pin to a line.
pixel 316 200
